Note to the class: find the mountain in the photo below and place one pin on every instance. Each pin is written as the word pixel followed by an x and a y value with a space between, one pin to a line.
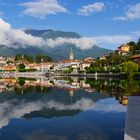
pixel 57 53
pixel 46 34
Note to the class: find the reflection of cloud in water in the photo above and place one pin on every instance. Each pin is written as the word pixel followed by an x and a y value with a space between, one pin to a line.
pixel 88 136
pixel 109 105
pixel 16 109
pixel 41 135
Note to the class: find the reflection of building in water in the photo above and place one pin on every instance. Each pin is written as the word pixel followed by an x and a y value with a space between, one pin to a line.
pixel 123 100
pixel 65 83
pixel 7 84
pixel 86 86
pixel 39 82
pixel 2 87
pixel 71 92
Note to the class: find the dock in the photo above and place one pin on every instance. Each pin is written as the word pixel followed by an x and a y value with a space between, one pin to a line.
pixel 132 128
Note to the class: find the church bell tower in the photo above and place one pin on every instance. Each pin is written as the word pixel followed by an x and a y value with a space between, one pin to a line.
pixel 71 54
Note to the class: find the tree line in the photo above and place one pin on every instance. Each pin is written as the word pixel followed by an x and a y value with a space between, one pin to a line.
pixel 38 58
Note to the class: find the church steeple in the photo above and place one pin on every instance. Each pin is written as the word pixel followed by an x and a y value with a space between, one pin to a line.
pixel 71 54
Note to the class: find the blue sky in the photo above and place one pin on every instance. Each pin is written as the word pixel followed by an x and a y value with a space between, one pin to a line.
pixel 101 19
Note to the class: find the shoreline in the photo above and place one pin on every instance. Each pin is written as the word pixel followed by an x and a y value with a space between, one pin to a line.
pixel 40 74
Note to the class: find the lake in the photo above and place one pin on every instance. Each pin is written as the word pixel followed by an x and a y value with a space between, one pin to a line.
pixel 63 108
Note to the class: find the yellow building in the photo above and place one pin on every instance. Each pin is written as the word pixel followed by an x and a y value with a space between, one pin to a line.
pixel 123 49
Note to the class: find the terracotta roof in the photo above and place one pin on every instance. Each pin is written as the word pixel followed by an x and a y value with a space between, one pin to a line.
pixel 135 56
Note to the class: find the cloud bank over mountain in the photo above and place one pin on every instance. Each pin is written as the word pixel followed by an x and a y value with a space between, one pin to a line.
pixel 13 38
pixel 17 38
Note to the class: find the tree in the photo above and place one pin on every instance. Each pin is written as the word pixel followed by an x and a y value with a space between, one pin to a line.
pixel 43 58
pixel 23 57
pixel 138 44
pixel 133 46
pixel 68 70
pixel 21 81
pixel 129 68
pixel 21 68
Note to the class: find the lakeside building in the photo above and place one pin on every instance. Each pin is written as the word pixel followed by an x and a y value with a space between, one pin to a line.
pixel 102 57
pixel 136 59
pixel 8 68
pixel 124 49
pixel 84 65
pixel 45 66
pixel 9 64
pixel 76 64
pixel 3 61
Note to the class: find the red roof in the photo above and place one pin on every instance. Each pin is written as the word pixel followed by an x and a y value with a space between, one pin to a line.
pixel 135 57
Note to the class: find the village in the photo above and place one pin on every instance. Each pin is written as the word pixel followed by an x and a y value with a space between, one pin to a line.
pixel 71 65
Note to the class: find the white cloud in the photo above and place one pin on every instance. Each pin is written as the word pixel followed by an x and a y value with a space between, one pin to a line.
pixel 83 42
pixel 91 8
pixel 114 39
pixel 132 13
pixel 43 8
pixel 120 18
pixel 109 105
pixel 15 38
pixel 16 109
pixel 88 42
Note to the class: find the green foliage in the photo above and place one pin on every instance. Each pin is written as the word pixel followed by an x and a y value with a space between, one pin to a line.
pixel 68 70
pixel 129 68
pixel 21 81
pixel 31 70
pixel 23 57
pixel 93 69
pixel 130 86
pixel 43 58
pixel 137 74
pixel 112 63
pixel 21 68
pixel 135 47
pixel 26 58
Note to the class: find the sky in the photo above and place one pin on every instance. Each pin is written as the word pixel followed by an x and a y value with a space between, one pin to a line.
pixel 108 22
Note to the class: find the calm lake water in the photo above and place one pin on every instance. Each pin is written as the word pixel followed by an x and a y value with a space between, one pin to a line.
pixel 62 109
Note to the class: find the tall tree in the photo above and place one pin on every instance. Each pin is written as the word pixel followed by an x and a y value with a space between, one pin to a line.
pixel 43 58
pixel 130 67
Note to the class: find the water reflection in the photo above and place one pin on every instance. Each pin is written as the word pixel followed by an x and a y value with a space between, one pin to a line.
pixel 119 89
pixel 64 108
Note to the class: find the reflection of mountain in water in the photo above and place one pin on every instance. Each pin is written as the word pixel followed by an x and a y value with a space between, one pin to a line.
pixel 56 97
pixel 50 113
pixel 46 102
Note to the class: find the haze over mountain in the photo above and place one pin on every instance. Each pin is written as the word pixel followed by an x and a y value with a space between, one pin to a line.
pixel 56 44
pixel 62 52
